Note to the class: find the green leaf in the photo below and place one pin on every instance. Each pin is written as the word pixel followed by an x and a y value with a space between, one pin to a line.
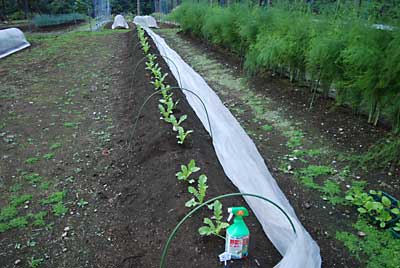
pixel 191 203
pixel 362 210
pixel 395 211
pixel 205 230
pixel 386 201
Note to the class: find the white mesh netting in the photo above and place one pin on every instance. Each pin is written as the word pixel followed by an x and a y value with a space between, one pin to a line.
pixel 119 22
pixel 146 21
pixel 11 41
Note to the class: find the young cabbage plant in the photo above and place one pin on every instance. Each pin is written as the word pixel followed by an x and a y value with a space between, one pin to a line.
pixel 214 228
pixel 182 134
pixel 149 65
pixel 166 108
pixel 198 193
pixel 159 82
pixel 176 123
pixel 165 113
pixel 146 47
pixel 164 92
pixel 186 171
pixel 156 71
pixel 151 57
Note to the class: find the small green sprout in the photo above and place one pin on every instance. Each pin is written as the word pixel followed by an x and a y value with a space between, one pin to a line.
pixel 82 203
pixel 48 156
pixel 198 193
pixel 218 226
pixel 34 263
pixel 59 209
pixel 176 123
pixel 186 171
pixel 32 160
pixel 33 178
pixel 182 134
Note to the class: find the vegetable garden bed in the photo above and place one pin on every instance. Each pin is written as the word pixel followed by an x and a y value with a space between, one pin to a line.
pixel 154 200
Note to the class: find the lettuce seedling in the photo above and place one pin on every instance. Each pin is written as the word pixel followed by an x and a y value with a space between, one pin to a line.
pixel 159 82
pixel 218 226
pixel 198 193
pixel 176 123
pixel 166 108
pixel 146 47
pixel 151 57
pixel 186 171
pixel 182 134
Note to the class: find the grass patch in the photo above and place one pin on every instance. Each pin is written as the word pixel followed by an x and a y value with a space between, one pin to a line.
pixel 38 218
pixel 54 198
pixel 267 128
pixel 308 174
pixel 17 200
pixel 379 248
pixel 59 209
pixel 33 178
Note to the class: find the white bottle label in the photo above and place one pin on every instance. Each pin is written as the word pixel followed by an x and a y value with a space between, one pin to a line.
pixel 237 246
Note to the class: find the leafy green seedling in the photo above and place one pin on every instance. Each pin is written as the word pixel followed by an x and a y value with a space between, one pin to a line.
pixel 33 178
pixel 331 192
pixel 397 227
pixel 8 213
pixel 17 200
pixel 182 134
pixel 16 187
pixel 38 218
pixel 82 203
pixel 267 127
pixel 59 209
pixel 159 82
pixel 214 228
pixel 48 156
pixel 19 222
pixel 54 198
pixel 176 123
pixel 34 263
pixel 70 125
pixel 198 193
pixel 32 160
pixel 186 171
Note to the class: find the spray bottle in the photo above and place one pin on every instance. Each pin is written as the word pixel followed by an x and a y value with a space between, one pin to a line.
pixel 237 235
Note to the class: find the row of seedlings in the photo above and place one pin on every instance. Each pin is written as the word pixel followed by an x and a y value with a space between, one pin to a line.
pixel 213 225
pixel 167 105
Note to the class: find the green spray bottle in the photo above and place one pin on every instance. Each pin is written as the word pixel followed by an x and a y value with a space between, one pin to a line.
pixel 237 235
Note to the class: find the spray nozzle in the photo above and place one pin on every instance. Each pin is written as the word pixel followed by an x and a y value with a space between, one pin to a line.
pixel 239 212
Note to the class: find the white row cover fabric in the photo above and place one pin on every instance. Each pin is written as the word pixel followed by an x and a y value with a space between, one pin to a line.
pixel 119 22
pixel 11 41
pixel 146 21
pixel 244 166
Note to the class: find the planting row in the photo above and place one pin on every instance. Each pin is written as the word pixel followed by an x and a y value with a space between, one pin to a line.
pixel 346 53
pixel 213 225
